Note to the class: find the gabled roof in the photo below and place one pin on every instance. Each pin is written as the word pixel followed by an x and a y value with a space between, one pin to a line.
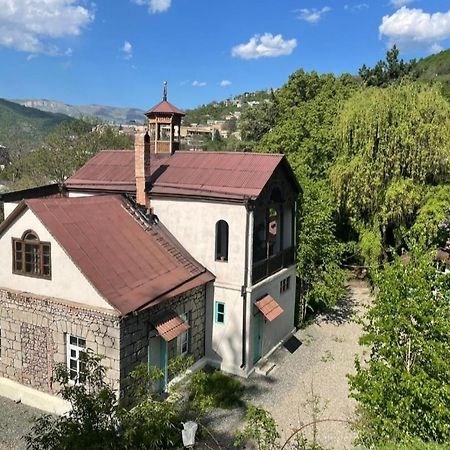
pixel 132 262
pixel 165 107
pixel 215 175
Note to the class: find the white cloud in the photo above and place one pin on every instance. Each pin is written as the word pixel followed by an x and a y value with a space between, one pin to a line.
pixel 264 46
pixel 225 83
pixel 436 48
pixel 155 6
pixel 312 15
pixel 127 50
pixel 31 25
pixel 197 83
pixel 414 28
pixel 400 3
pixel 357 7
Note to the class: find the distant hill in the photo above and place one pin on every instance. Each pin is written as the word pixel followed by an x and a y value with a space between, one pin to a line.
pixel 22 127
pixel 109 114
pixel 436 68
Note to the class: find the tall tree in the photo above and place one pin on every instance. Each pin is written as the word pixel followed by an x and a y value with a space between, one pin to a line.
pixel 389 71
pixel 403 387
pixel 393 145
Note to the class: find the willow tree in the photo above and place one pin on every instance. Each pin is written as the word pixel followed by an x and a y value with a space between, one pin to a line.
pixel 393 144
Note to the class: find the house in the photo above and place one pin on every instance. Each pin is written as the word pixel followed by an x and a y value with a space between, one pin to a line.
pixel 146 254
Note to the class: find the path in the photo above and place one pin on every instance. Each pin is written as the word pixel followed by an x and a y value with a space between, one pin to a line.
pixel 317 368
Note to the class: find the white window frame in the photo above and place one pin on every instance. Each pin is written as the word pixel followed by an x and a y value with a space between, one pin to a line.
pixel 73 354
pixel 184 338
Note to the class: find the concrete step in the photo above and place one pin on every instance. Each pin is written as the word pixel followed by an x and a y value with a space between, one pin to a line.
pixel 264 368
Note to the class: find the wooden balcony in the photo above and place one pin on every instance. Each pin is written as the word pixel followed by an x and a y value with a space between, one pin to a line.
pixel 266 267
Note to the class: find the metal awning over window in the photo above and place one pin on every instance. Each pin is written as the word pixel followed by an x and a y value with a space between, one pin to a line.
pixel 169 325
pixel 269 308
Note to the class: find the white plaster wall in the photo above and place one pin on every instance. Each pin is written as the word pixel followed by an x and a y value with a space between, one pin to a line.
pixel 67 281
pixel 9 208
pixel 225 349
pixel 193 223
pixel 273 333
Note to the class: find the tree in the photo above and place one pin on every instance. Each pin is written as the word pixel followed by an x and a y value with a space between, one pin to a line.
pixel 393 146
pixel 258 120
pixel 387 72
pixel 97 421
pixel 92 423
pixel 402 389
pixel 64 151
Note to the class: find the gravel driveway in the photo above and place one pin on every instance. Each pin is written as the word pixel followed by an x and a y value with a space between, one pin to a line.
pixel 313 376
pixel 15 422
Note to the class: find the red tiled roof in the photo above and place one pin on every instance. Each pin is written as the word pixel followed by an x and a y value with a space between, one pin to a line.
pixel 269 308
pixel 165 107
pixel 169 325
pixel 229 175
pixel 131 263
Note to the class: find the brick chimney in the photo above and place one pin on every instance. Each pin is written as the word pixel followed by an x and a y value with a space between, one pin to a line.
pixel 142 166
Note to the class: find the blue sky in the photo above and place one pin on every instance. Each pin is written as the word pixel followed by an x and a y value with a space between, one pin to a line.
pixel 119 52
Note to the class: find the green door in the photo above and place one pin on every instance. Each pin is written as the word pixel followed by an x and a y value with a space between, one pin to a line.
pixel 157 357
pixel 257 338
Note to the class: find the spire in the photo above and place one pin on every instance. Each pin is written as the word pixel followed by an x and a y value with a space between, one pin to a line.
pixel 165 92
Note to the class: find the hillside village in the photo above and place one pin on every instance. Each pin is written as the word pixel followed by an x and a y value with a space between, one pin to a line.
pixel 227 263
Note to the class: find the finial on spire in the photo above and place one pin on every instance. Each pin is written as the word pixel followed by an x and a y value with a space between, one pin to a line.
pixel 165 91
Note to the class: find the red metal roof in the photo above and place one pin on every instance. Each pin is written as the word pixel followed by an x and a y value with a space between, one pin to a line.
pixel 165 107
pixel 131 262
pixel 229 175
pixel 169 325
pixel 269 307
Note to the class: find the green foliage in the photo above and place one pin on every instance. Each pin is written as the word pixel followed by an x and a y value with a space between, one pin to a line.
pixel 370 245
pixel 318 255
pixel 256 121
pixel 179 364
pixel 431 227
pixel 152 425
pixel 260 428
pixel 403 389
pixel 215 390
pixel 22 128
pixel 436 69
pixel 64 151
pixel 387 72
pixel 414 444
pixel 93 420
pixel 98 422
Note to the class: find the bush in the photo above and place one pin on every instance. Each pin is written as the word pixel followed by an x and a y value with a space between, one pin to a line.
pixel 215 390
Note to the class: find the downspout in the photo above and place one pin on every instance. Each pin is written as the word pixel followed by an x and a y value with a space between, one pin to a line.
pixel 247 278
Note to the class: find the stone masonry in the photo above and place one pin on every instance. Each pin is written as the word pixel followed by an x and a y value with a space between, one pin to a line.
pixel 135 329
pixel 34 328
pixel 33 337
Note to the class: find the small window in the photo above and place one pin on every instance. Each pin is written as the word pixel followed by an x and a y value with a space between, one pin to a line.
pixel 185 338
pixel 220 312
pixel 284 284
pixel 221 241
pixel 31 256
pixel 75 346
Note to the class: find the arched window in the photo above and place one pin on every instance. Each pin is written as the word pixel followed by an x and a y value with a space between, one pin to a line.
pixel 221 241
pixel 31 256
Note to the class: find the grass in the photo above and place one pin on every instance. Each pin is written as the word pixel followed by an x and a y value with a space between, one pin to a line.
pixel 215 390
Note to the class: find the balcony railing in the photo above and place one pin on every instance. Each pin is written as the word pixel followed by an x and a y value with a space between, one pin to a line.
pixel 269 266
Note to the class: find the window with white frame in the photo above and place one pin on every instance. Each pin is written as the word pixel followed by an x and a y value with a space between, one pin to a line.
pixel 184 340
pixel 75 346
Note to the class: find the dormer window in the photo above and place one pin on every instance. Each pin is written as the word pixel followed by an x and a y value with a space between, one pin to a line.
pixel 221 241
pixel 31 256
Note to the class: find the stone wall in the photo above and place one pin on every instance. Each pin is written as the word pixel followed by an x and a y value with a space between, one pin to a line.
pixel 135 329
pixel 33 337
